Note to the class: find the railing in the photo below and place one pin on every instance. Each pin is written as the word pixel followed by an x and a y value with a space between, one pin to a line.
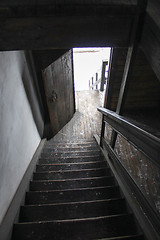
pixel 99 79
pixel 142 138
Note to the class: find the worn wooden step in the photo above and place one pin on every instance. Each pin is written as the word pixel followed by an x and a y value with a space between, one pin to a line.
pixel 71 146
pixel 92 228
pixel 71 153
pixel 52 160
pixel 131 237
pixel 70 149
pixel 73 195
pixel 71 183
pixel 67 174
pixel 76 142
pixel 70 166
pixel 34 213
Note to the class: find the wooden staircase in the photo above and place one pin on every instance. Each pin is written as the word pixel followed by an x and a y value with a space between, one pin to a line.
pixel 73 195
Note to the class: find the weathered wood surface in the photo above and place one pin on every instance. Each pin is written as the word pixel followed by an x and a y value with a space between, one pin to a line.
pixel 64 32
pixel 86 121
pixel 139 135
pixel 144 89
pixel 61 7
pixel 67 24
pixel 59 88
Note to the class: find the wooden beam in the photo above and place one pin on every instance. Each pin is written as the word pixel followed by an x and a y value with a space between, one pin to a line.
pixel 64 24
pixel 64 32
pixel 10 8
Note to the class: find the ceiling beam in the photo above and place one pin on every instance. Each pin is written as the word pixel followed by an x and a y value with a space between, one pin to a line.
pixel 55 24
pixel 64 32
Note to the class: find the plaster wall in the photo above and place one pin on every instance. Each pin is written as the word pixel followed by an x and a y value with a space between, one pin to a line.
pixel 18 132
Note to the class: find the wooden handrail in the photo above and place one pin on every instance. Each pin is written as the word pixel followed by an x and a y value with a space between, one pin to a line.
pixel 141 138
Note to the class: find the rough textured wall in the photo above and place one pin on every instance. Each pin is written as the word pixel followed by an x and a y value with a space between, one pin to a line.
pixel 143 171
pixel 19 135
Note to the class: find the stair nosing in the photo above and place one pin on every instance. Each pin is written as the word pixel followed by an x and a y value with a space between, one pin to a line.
pixel 74 203
pixel 74 170
pixel 74 189
pixel 71 179
pixel 72 157
pixel 114 238
pixel 96 150
pixel 78 163
pixel 77 219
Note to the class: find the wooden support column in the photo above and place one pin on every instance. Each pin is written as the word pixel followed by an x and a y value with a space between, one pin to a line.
pixel 96 81
pixel 103 75
pixel 92 84
pixel 108 93
pixel 130 60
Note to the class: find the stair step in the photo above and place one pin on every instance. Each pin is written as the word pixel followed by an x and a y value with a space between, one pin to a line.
pixel 71 154
pixel 70 149
pixel 70 166
pixel 71 146
pixel 133 237
pixel 67 174
pixel 80 141
pixel 91 228
pixel 71 183
pixel 72 195
pixel 52 160
pixel 72 210
pixel 130 237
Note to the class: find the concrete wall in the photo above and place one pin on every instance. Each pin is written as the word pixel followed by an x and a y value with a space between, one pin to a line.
pixel 19 137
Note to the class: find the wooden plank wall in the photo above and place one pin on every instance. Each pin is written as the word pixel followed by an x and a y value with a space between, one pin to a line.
pixel 144 87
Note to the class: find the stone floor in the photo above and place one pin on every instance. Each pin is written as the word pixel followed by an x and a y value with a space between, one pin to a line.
pixel 86 121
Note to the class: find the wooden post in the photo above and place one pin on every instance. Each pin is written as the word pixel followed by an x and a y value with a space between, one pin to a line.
pixel 92 84
pixel 96 81
pixel 104 63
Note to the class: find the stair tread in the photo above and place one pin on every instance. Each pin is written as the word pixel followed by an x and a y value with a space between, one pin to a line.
pixel 71 195
pixel 70 203
pixel 106 226
pixel 73 179
pixel 75 170
pixel 73 183
pixel 73 210
pixel 82 173
pixel 76 163
pixel 132 237
pixel 77 189
pixel 72 166
pixel 70 159
pixel 78 219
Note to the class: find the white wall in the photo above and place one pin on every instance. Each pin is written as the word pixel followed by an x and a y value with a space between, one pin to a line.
pixel 87 61
pixel 19 137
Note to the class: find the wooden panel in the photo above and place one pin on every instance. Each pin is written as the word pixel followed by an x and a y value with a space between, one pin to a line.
pixel 68 7
pixel 64 32
pixel 139 135
pixel 59 87
pixel 144 87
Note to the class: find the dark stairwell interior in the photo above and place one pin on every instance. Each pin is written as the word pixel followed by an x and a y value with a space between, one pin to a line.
pixel 73 193
pixel 128 131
